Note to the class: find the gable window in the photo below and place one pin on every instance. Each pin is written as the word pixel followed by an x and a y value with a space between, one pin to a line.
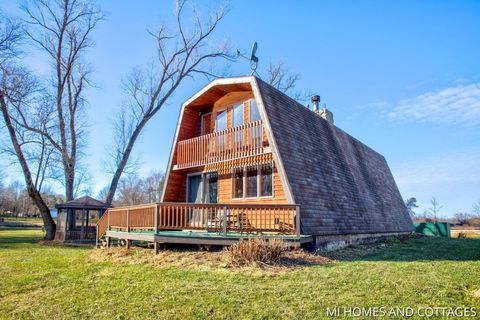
pixel 253 182
pixel 221 121
pixel 254 114
pixel 238 114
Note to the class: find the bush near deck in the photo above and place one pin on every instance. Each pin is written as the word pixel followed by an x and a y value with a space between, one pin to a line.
pixel 40 282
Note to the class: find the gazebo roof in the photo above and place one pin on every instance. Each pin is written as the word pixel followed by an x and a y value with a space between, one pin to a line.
pixel 85 202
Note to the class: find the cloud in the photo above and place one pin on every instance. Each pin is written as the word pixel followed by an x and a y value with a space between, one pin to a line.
pixel 458 104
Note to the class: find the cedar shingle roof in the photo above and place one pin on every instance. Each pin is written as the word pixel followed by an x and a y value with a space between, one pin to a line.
pixel 342 186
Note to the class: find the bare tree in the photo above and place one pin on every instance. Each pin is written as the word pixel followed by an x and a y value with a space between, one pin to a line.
pixel 61 29
pixel 282 79
pixel 435 208
pixel 45 126
pixel 10 36
pixel 136 190
pixel 476 209
pixel 153 185
pixel 180 55
pixel 130 191
pixel 462 217
pixel 16 87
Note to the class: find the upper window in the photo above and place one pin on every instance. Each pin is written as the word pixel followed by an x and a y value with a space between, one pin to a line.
pixel 221 121
pixel 254 115
pixel 238 114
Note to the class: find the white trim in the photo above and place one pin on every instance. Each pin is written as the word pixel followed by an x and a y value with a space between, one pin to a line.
pixel 217 82
pixel 221 81
pixel 263 116
pixel 271 140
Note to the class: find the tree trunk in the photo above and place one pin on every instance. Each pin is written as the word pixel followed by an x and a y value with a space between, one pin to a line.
pixel 123 162
pixel 69 181
pixel 34 194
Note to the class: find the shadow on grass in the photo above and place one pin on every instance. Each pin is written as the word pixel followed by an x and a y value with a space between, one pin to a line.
pixel 12 236
pixel 413 249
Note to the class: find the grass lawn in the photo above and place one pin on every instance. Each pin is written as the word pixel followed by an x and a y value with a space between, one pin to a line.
pixel 23 219
pixel 45 282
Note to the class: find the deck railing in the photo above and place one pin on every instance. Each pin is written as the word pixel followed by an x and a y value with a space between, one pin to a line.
pixel 222 218
pixel 241 141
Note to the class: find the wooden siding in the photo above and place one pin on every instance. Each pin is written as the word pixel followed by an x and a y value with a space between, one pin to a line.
pixel 190 127
pixel 225 191
pixel 177 187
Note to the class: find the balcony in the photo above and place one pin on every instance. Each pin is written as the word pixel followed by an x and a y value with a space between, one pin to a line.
pixel 242 141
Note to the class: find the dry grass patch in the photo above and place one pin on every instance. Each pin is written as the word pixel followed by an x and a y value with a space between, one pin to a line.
pixel 256 251
pixel 476 293
pixel 273 258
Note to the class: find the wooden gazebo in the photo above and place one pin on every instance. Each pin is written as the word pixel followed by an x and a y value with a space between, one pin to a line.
pixel 77 219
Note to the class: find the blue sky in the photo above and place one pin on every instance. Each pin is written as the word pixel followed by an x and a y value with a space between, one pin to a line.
pixel 402 77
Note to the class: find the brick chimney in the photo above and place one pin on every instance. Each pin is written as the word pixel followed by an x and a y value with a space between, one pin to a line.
pixel 323 112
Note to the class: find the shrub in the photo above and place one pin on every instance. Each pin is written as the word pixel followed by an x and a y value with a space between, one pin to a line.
pixel 255 251
pixel 462 235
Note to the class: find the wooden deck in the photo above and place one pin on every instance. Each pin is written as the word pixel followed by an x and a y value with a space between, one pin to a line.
pixel 216 224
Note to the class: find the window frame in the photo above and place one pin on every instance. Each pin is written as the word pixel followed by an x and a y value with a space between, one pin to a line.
pixel 259 185
pixel 238 105
pixel 251 110
pixel 224 111
pixel 244 184
pixel 233 184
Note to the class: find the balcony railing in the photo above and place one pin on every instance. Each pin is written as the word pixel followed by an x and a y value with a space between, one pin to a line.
pixel 222 218
pixel 242 141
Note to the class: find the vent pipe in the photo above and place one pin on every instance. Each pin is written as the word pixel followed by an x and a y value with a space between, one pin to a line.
pixel 324 112
pixel 315 102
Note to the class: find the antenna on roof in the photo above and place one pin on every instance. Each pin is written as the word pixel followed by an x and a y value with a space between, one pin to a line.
pixel 252 58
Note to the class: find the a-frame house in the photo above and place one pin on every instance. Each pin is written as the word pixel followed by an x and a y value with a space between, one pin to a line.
pixel 247 160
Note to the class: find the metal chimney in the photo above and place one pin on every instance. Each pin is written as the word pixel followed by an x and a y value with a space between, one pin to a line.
pixel 324 112
pixel 315 102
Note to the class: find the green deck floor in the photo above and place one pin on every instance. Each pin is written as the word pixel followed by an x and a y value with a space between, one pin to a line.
pixel 217 235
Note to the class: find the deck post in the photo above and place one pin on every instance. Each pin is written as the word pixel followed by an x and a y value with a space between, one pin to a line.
pixel 96 236
pixel 156 247
pixel 297 221
pixel 108 220
pixel 129 243
pixel 224 220
pixel 108 228
pixel 156 219
pixel 109 242
pixel 128 220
